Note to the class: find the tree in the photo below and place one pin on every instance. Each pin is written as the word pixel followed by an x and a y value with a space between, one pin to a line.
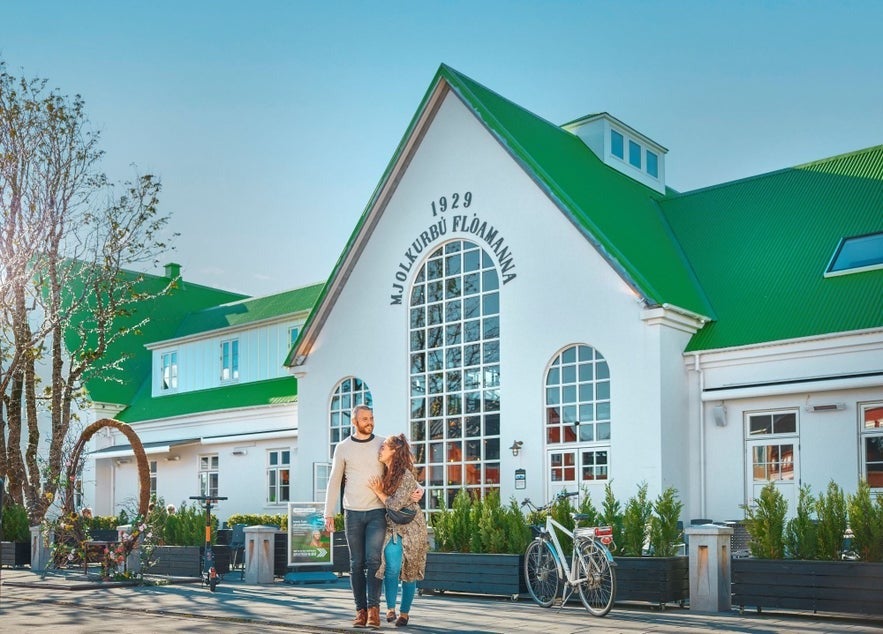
pixel 67 237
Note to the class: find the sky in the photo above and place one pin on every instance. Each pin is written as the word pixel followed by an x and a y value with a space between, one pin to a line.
pixel 271 122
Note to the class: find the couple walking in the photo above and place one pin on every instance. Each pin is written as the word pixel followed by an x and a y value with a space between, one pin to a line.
pixel 378 474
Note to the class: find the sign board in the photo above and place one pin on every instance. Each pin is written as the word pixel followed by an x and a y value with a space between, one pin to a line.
pixel 308 541
pixel 520 479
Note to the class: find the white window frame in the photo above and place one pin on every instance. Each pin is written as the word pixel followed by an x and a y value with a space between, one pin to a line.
pixel 279 475
pixel 866 433
pixel 773 444
pixel 454 377
pixel 321 475
pixel 229 360
pixel 348 393
pixel 168 371
pixel 153 475
pixel 209 474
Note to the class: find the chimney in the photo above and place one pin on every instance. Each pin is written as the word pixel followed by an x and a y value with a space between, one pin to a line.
pixel 173 270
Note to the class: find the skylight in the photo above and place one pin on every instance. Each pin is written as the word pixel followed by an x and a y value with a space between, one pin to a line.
pixel 856 254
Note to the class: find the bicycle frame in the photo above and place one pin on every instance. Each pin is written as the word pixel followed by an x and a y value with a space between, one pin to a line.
pixel 551 529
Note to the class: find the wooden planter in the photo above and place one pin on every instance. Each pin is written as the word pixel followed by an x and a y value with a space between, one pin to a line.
pixel 16 554
pixel 659 580
pixel 341 555
pixel 176 561
pixel 474 573
pixel 821 586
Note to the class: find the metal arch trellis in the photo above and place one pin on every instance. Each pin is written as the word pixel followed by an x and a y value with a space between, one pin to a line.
pixel 140 458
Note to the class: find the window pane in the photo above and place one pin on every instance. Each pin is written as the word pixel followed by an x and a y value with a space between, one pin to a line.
pixel 616 144
pixel 652 164
pixel 635 154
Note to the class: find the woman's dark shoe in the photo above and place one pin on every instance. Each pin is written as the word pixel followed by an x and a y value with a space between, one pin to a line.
pixel 402 621
pixel 390 616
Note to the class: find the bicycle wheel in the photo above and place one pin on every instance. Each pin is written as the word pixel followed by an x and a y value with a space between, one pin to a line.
pixel 598 590
pixel 541 572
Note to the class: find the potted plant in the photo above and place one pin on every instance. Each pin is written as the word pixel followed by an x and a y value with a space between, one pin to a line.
pixel 479 546
pixel 647 567
pixel 804 564
pixel 16 540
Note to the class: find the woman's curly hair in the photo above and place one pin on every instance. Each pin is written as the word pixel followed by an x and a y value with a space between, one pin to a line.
pixel 401 461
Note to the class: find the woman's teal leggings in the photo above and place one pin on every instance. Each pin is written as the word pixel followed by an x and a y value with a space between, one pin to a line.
pixel 393 555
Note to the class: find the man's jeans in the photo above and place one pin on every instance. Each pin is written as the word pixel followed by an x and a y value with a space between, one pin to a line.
pixel 365 532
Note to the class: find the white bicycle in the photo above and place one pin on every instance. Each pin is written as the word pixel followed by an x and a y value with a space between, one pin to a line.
pixel 591 569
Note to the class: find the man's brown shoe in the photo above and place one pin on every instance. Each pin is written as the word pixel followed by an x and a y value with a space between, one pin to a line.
pixel 374 616
pixel 361 618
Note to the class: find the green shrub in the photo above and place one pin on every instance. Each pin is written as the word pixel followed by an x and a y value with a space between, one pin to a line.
pixel 562 512
pixel 15 523
pixel 866 523
pixel 480 525
pixel 664 532
pixel 586 507
pixel 280 520
pixel 766 523
pixel 801 534
pixel 186 526
pixel 832 514
pixel 636 523
pixel 518 533
pixel 611 513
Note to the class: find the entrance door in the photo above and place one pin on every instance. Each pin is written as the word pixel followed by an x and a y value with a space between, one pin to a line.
pixel 772 448
pixel 577 469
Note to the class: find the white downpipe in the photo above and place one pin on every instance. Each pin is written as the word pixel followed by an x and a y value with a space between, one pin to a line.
pixel 702 462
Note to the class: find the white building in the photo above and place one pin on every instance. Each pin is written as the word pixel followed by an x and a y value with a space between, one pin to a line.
pixel 209 398
pixel 516 287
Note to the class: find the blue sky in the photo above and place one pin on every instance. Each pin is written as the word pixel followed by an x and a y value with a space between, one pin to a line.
pixel 271 122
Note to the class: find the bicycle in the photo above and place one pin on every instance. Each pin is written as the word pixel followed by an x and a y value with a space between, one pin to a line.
pixel 591 570
pixel 210 576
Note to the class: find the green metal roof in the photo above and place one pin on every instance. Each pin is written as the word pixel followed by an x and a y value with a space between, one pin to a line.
pixel 760 246
pixel 618 215
pixel 271 392
pixel 250 310
pixel 165 313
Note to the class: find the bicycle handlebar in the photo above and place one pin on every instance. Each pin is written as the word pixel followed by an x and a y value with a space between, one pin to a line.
pixel 558 496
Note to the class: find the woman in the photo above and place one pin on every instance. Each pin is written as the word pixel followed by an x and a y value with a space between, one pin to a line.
pixel 404 550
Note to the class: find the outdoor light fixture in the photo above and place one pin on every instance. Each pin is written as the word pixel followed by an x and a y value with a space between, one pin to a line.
pixel 122 461
pixel 516 447
pixel 173 458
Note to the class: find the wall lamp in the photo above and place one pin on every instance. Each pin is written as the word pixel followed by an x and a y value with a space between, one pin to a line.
pixel 122 461
pixel 173 458
pixel 516 447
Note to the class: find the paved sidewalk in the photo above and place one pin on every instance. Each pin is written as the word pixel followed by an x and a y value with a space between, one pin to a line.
pixel 62 603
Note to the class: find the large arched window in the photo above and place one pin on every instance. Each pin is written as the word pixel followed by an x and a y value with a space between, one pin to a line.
pixel 350 392
pixel 454 349
pixel 577 424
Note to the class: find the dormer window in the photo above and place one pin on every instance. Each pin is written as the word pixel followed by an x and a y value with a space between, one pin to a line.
pixel 623 148
pixel 857 254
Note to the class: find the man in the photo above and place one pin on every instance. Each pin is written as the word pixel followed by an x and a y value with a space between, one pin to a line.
pixel 355 462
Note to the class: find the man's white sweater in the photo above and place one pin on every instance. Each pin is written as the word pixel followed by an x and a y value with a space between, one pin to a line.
pixel 356 461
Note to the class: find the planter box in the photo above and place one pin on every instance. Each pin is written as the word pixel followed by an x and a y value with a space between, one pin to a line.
pixel 341 555
pixel 176 561
pixel 821 586
pixel 659 580
pixel 16 554
pixel 474 573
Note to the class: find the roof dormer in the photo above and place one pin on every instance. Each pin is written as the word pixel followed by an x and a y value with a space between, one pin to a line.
pixel 623 148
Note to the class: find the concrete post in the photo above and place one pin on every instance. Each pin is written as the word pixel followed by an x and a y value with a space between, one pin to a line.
pixel 41 548
pixel 710 568
pixel 259 555
pixel 133 561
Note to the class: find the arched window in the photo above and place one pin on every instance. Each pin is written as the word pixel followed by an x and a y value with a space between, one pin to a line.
pixel 350 392
pixel 454 349
pixel 577 424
